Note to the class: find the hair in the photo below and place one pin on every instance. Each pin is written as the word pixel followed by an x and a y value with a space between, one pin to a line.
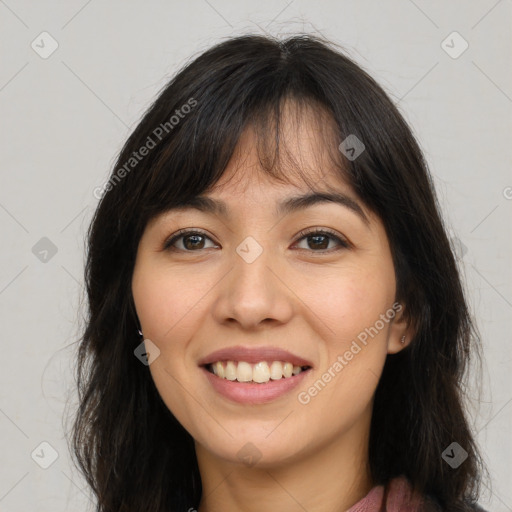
pixel 133 452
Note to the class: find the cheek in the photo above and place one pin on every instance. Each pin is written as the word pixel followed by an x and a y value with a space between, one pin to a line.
pixel 169 305
pixel 166 303
pixel 349 301
pixel 355 342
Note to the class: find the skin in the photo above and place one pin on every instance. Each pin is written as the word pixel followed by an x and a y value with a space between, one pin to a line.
pixel 310 299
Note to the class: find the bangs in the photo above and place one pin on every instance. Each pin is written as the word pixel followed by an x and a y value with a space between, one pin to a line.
pixel 184 172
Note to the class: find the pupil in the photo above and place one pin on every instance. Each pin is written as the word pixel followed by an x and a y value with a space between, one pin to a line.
pixel 317 237
pixel 190 237
pixel 196 241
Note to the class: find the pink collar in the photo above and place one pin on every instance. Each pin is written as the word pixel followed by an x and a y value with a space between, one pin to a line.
pixel 399 498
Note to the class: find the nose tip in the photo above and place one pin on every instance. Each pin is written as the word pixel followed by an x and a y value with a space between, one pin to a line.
pixel 253 294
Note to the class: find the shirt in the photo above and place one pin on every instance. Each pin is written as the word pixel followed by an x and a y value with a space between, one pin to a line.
pixel 399 498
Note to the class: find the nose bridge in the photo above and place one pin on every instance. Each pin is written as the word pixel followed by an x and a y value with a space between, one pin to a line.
pixel 252 292
pixel 252 281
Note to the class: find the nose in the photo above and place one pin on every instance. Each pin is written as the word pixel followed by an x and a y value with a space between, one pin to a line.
pixel 254 293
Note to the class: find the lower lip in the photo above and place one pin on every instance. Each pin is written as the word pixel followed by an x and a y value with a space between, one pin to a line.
pixel 251 392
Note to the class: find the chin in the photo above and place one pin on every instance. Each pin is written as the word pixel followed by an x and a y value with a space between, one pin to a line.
pixel 254 449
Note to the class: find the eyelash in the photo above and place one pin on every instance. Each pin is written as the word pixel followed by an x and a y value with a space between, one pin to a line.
pixel 303 234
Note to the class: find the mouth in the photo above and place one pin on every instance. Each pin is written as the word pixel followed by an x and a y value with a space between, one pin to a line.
pixel 252 384
pixel 254 375
pixel 261 372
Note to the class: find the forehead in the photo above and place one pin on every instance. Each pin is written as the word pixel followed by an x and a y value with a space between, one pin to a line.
pixel 285 165
pixel 302 175
pixel 298 151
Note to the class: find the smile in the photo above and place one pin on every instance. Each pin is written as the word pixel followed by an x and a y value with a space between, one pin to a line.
pixel 249 391
pixel 261 372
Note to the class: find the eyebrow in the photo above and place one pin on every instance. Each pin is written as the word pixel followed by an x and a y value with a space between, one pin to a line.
pixel 288 205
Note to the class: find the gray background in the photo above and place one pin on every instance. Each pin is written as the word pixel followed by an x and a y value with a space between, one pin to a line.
pixel 65 117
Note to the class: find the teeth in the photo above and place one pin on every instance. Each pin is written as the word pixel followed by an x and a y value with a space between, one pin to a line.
pixel 260 372
pixel 218 369
pixel 276 370
pixel 230 370
pixel 287 369
pixel 244 372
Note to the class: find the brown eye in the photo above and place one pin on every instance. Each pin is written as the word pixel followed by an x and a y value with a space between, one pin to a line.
pixel 318 241
pixel 190 241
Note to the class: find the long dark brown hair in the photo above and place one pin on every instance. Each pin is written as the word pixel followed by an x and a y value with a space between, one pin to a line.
pixel 133 452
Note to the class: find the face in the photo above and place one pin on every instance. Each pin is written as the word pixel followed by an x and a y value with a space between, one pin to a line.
pixel 317 281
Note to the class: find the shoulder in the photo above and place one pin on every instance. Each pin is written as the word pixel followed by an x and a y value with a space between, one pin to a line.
pixel 430 504
pixel 400 492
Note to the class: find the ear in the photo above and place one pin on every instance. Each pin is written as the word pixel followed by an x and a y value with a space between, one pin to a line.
pixel 402 327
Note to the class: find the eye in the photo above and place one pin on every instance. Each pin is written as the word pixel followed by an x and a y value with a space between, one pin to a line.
pixel 190 240
pixel 194 239
pixel 320 239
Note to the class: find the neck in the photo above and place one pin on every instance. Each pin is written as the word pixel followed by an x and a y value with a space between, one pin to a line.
pixel 333 478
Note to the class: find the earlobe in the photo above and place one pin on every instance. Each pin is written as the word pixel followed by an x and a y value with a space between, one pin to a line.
pixel 397 344
pixel 401 333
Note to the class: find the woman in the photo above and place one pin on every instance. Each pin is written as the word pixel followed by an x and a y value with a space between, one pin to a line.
pixel 276 319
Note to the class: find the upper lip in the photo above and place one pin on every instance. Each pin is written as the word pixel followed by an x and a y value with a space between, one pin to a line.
pixel 253 355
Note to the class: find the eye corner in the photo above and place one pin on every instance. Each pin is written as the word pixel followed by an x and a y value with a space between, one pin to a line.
pixel 168 243
pixel 343 242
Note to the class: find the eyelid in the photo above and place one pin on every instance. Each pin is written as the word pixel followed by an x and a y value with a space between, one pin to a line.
pixel 343 242
pixel 182 232
pixel 323 231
